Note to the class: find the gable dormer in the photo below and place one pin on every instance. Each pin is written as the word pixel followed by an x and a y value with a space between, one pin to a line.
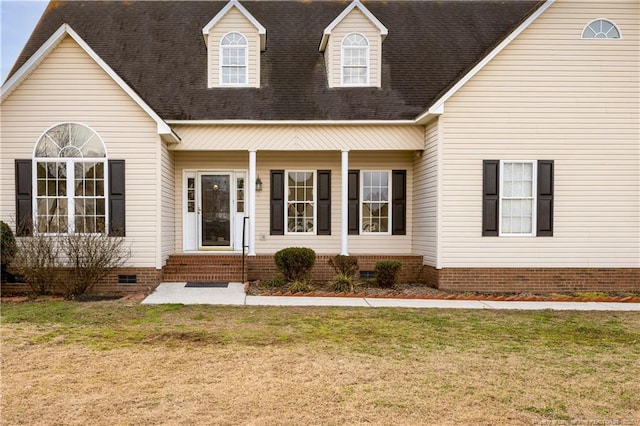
pixel 352 46
pixel 234 40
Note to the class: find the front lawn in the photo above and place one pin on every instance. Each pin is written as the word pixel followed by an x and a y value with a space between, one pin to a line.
pixel 118 362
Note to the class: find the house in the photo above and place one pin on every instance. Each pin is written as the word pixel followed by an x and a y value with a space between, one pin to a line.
pixel 488 145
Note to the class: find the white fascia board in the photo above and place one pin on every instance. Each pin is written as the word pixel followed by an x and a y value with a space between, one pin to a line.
pixel 163 128
pixel 355 3
pixel 294 122
pixel 235 3
pixel 438 105
pixel 16 79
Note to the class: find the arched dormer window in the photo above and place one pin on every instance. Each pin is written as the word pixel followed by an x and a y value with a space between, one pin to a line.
pixel 70 182
pixel 355 60
pixel 601 28
pixel 233 63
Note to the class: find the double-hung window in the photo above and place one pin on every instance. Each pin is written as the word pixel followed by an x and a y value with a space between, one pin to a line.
pixel 70 181
pixel 375 211
pixel 355 60
pixel 233 63
pixel 300 202
pixel 517 197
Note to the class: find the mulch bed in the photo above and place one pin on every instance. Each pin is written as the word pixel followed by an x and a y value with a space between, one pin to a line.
pixel 412 291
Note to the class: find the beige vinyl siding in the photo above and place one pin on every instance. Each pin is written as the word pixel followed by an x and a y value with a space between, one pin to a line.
pixel 354 22
pixel 68 86
pixel 234 21
pixel 425 197
pixel 551 95
pixel 168 202
pixel 267 161
pixel 299 138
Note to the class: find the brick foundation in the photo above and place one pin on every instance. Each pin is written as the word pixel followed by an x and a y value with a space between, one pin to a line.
pixel 263 266
pixel 147 280
pixel 534 280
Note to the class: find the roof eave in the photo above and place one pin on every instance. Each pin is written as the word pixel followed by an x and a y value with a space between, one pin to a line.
pixel 164 130
pixel 439 104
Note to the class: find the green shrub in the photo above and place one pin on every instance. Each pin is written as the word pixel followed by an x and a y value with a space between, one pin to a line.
pixel 8 245
pixel 344 265
pixel 300 286
pixel 8 248
pixel 274 282
pixel 295 263
pixel 387 273
pixel 343 283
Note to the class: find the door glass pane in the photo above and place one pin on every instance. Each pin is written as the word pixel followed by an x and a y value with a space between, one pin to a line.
pixel 216 217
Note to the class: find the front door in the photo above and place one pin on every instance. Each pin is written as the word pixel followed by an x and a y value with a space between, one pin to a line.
pixel 216 220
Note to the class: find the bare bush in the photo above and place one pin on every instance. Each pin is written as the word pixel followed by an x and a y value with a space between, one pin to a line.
pixel 90 258
pixel 37 262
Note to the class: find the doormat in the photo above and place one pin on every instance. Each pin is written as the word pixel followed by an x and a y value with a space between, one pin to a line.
pixel 207 285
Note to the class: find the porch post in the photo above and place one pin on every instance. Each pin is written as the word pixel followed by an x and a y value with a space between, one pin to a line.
pixel 344 230
pixel 252 202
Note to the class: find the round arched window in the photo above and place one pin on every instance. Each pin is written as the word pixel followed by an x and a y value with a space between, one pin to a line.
pixel 70 181
pixel 70 140
pixel 601 28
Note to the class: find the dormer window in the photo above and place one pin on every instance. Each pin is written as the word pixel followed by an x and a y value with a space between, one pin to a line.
pixel 601 28
pixel 234 40
pixel 233 66
pixel 352 47
pixel 355 60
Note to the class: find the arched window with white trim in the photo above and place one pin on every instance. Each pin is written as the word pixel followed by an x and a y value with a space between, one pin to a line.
pixel 601 28
pixel 234 59
pixel 355 60
pixel 70 181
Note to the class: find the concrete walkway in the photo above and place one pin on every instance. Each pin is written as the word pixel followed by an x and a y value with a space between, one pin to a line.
pixel 234 295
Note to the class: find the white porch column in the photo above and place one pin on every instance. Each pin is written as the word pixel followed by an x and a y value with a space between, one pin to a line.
pixel 344 232
pixel 252 202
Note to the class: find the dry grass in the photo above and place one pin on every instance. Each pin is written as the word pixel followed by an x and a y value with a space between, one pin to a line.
pixel 122 363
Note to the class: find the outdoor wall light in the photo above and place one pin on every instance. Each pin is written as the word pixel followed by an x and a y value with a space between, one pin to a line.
pixel 258 184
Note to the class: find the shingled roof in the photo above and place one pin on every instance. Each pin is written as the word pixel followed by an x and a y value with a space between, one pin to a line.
pixel 157 48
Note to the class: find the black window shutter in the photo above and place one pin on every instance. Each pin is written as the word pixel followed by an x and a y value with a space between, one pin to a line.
pixel 24 198
pixel 324 202
pixel 116 198
pixel 277 202
pixel 354 202
pixel 544 226
pixel 490 197
pixel 399 202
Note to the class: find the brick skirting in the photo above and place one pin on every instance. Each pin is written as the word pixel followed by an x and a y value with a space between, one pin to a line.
pixel 263 267
pixel 147 280
pixel 533 280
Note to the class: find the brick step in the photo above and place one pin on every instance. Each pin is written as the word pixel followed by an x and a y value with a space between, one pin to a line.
pixel 212 268
pixel 201 268
pixel 204 260
pixel 201 277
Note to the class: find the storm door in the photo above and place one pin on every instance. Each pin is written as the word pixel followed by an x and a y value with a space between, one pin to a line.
pixel 215 225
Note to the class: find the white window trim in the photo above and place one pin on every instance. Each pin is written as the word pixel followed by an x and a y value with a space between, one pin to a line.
pixel 361 202
pixel 70 197
pixel 594 38
pixel 368 57
pixel 246 61
pixel 534 192
pixel 286 202
pixel 70 187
